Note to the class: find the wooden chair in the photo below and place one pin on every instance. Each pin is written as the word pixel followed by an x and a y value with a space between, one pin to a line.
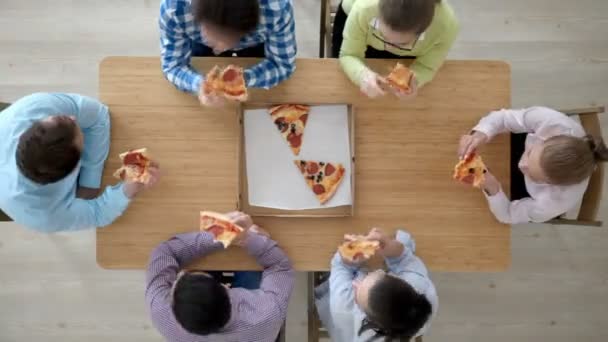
pixel 587 215
pixel 328 14
pixel 315 327
pixel 3 216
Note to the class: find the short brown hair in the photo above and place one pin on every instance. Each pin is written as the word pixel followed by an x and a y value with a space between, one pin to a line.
pixel 47 152
pixel 408 15
pixel 238 16
pixel 568 160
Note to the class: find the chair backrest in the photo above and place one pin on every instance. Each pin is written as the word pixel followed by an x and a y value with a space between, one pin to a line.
pixel 328 14
pixel 593 196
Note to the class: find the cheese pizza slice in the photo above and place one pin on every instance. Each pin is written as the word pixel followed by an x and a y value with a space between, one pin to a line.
pixel 470 170
pixel 400 78
pixel 290 120
pixel 135 164
pixel 222 228
pixel 358 249
pixel 323 178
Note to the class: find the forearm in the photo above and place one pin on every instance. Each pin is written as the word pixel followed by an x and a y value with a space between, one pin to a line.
pixel 269 73
pixel 266 252
pixel 402 261
pixel 353 68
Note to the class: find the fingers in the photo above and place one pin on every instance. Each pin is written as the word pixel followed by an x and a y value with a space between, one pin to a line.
pixel 350 237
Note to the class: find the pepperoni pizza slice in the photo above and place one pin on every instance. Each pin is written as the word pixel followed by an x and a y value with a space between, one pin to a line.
pixel 228 82
pixel 220 226
pixel 358 249
pixel 290 120
pixel 400 78
pixel 323 178
pixel 135 164
pixel 470 170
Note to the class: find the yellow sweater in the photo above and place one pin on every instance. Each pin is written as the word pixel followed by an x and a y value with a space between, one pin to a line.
pixel 430 50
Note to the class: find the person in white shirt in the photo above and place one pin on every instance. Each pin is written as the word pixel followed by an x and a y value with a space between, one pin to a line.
pixel 557 162
pixel 358 305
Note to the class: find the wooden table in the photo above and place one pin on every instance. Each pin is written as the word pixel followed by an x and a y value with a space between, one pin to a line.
pixel 405 151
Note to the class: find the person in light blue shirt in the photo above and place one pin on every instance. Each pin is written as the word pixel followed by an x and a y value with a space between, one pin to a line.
pixel 356 304
pixel 52 153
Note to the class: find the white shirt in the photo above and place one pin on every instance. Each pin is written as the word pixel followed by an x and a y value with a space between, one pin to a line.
pixel 335 299
pixel 546 201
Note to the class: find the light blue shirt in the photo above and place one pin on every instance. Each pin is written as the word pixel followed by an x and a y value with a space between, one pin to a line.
pixel 336 305
pixel 54 207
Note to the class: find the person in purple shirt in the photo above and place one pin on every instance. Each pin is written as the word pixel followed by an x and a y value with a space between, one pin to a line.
pixel 193 306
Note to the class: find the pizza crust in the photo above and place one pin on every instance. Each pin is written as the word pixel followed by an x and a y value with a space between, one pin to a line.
pixel 358 249
pixel 222 228
pixel 290 120
pixel 311 170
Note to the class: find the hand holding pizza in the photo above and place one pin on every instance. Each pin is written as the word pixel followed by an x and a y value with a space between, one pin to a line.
pixel 389 247
pixel 471 142
pixel 372 84
pixel 490 185
pixel 133 188
pixel 210 99
pixel 408 94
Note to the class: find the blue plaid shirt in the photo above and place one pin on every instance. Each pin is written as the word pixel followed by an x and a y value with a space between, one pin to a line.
pixel 276 29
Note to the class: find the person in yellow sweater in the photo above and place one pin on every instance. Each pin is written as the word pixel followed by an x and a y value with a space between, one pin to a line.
pixel 423 30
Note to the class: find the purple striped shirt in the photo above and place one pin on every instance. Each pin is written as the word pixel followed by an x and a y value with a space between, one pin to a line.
pixel 257 315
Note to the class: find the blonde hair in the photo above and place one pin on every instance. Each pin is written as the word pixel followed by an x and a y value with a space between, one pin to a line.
pixel 568 160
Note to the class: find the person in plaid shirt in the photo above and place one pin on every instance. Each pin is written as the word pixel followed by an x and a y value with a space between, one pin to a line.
pixel 235 28
pixel 194 306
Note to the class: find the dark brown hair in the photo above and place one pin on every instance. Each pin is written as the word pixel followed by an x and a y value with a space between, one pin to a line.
pixel 47 151
pixel 408 15
pixel 237 16
pixel 568 160
pixel 395 310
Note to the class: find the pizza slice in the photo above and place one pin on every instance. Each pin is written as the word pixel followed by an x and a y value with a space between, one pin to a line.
pixel 400 78
pixel 358 249
pixel 470 170
pixel 228 82
pixel 135 164
pixel 290 120
pixel 222 228
pixel 323 178
pixel 233 80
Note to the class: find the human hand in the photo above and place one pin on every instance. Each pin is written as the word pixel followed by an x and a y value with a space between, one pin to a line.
pixel 132 189
pixel 240 219
pixel 470 142
pixel 389 246
pixel 407 95
pixel 490 184
pixel 241 239
pixel 210 99
pixel 372 84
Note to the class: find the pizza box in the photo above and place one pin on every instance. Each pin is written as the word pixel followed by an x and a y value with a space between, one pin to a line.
pixel 243 196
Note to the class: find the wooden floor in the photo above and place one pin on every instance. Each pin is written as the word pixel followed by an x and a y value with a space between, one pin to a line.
pixel 557 290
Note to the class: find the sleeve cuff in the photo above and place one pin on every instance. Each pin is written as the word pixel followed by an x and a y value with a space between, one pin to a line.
pixel 258 244
pixel 90 178
pixel 409 246
pixel 485 129
pixel 119 197
pixel 196 84
pixel 250 80
pixel 336 261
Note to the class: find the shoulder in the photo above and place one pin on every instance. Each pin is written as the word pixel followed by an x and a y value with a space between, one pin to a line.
pixel 556 123
pixel 364 9
pixel 275 7
pixel 175 8
pixel 445 18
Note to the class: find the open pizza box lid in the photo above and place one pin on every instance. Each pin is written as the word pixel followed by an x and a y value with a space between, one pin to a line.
pixel 243 186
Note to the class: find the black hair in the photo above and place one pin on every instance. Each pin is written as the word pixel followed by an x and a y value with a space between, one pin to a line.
pixel 395 310
pixel 408 15
pixel 201 304
pixel 47 152
pixel 238 16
